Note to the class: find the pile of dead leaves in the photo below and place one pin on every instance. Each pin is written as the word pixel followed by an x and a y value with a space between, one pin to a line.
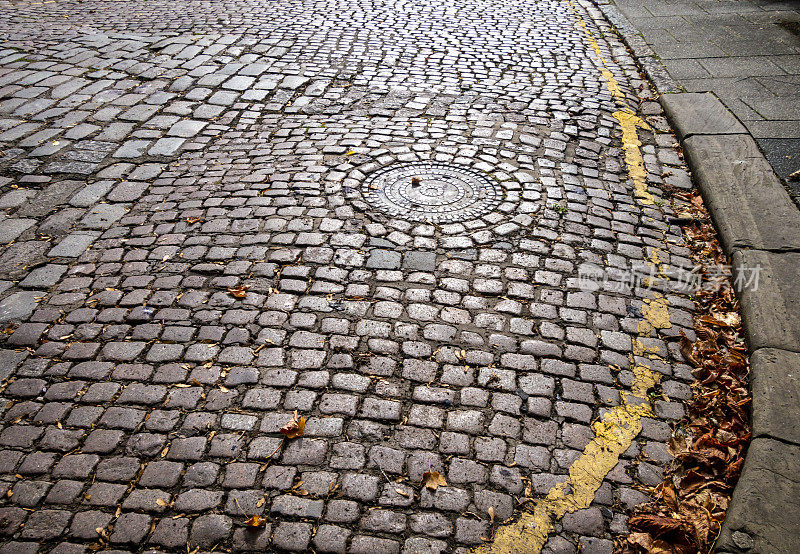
pixel 710 443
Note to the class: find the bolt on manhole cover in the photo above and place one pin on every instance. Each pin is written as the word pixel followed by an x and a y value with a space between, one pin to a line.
pixel 431 192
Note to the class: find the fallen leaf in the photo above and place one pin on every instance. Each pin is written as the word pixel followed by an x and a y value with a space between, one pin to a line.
pixel 239 292
pixel 255 522
pixel 654 524
pixel 730 319
pixel 295 428
pixel 193 220
pixel 432 480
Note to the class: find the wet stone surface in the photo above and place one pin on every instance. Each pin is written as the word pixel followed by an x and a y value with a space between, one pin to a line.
pixel 155 155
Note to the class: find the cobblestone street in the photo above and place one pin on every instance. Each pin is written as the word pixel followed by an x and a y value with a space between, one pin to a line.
pixel 415 224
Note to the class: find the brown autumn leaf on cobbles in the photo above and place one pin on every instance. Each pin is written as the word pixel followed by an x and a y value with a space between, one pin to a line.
pixel 687 510
pixel 193 220
pixel 295 428
pixel 239 292
pixel 255 522
pixel 432 480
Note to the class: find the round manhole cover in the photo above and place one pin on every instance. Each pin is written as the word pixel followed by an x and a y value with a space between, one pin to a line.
pixel 431 192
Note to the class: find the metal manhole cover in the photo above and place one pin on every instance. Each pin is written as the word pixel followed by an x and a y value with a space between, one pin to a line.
pixel 431 192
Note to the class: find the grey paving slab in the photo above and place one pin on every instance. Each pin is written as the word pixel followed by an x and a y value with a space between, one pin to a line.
pixel 686 69
pixel 780 109
pixel 740 66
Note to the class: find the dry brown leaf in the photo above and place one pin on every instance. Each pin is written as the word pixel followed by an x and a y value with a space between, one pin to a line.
pixel 295 428
pixel 193 220
pixel 239 292
pixel 432 480
pixel 255 522
pixel 654 524
pixel 729 319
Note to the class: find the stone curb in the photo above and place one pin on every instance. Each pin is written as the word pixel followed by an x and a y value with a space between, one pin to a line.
pixel 759 228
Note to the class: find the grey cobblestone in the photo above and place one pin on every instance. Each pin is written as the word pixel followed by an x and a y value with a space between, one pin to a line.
pixel 157 161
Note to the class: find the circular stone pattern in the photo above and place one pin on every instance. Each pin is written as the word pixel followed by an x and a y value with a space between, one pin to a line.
pixel 431 192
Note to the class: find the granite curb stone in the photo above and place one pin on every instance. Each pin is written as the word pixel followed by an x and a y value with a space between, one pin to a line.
pixel 730 168
pixel 776 380
pixel 769 307
pixel 700 113
pixel 762 516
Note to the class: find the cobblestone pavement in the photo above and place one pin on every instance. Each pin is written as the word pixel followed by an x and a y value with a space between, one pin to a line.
pixel 190 254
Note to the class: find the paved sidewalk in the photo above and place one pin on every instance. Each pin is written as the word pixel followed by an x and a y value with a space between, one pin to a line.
pixel 747 52
pixel 202 232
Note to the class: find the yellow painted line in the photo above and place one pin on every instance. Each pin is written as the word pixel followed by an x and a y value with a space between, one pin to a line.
pixel 613 436
pixel 627 120
pixel 616 430
pixel 633 155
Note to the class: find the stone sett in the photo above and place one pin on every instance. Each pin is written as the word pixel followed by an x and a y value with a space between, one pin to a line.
pixel 202 234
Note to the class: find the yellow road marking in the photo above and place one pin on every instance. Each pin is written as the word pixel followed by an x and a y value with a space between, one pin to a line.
pixel 633 155
pixel 613 436
pixel 617 429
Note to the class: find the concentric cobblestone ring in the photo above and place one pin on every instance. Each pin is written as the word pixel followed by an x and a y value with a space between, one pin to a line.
pixel 431 192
